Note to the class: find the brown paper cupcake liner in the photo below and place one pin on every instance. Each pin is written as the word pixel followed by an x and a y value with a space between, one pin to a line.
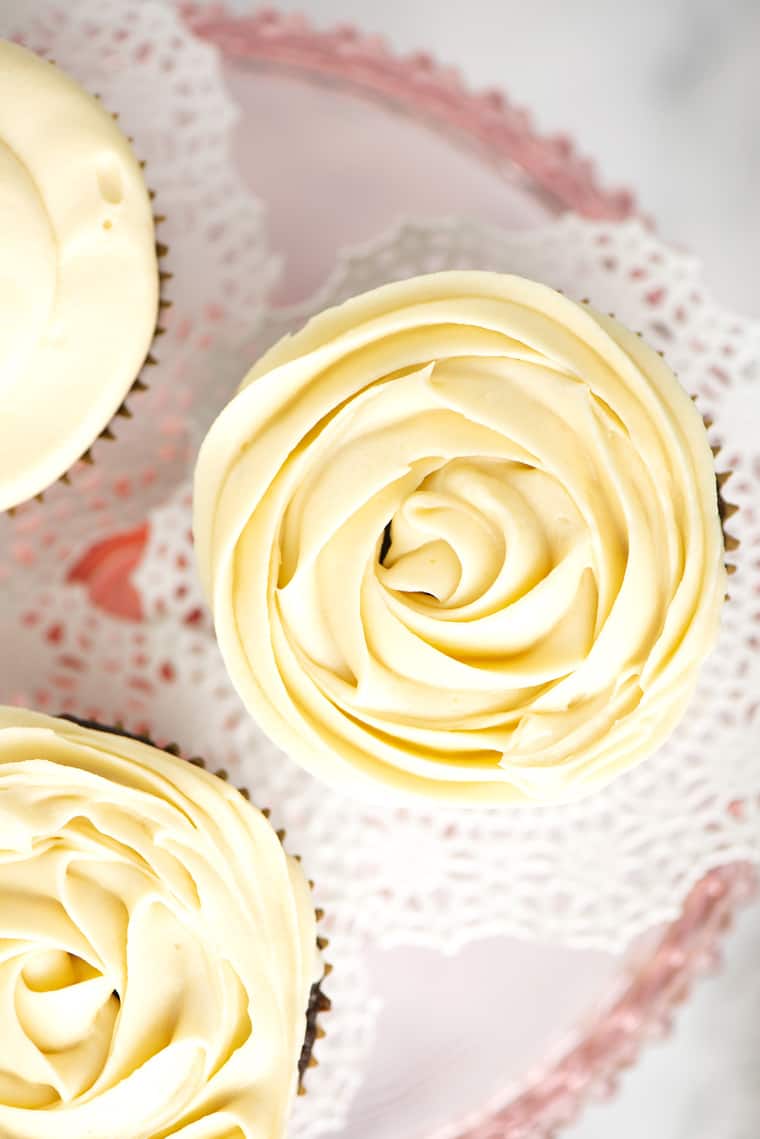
pixel 726 509
pixel 319 1002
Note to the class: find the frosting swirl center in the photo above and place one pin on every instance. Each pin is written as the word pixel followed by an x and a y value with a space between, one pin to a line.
pixel 157 947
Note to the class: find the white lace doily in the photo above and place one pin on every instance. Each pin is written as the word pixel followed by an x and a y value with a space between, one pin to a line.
pixel 601 871
pixel 166 87
pixel 595 873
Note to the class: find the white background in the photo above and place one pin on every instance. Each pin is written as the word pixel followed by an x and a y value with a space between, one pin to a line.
pixel 666 97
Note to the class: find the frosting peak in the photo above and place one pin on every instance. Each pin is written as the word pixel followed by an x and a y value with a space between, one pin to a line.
pixel 460 538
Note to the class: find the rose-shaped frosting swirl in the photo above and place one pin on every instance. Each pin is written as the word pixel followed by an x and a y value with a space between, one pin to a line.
pixel 78 272
pixel 157 947
pixel 460 538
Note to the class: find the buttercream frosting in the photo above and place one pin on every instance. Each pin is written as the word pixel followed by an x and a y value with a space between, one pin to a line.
pixel 460 539
pixel 78 272
pixel 157 946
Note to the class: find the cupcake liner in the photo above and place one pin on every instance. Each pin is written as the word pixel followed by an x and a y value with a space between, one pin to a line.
pixel 319 1002
pixel 726 510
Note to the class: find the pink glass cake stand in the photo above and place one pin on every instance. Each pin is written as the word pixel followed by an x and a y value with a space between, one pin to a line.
pixel 341 139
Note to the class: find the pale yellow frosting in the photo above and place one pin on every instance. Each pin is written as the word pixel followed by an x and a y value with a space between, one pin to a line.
pixel 78 272
pixel 555 570
pixel 157 947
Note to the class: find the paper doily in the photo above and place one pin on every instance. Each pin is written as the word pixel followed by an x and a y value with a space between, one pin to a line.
pixel 166 87
pixel 694 805
pixel 596 873
pixel 600 871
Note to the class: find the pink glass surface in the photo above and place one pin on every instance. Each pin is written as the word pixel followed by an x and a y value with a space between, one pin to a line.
pixel 341 139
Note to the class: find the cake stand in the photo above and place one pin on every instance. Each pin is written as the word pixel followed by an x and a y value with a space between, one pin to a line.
pixel 341 139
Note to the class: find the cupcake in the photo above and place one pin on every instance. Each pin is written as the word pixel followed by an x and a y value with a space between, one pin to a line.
pixel 158 949
pixel 79 281
pixel 461 542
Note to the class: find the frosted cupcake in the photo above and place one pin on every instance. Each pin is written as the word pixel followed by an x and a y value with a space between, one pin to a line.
pixel 157 946
pixel 461 541
pixel 79 282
